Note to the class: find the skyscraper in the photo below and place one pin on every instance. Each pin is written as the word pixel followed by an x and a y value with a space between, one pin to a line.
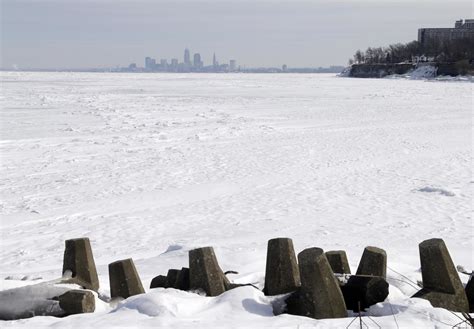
pixel 214 61
pixel 232 65
pixel 187 57
pixel 197 60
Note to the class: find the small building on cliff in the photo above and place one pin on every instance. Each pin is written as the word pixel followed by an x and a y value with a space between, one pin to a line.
pixel 462 30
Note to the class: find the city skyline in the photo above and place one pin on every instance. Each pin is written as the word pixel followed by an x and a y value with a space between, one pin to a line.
pixel 262 33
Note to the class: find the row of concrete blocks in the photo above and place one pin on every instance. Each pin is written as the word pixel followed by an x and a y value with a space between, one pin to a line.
pixel 315 292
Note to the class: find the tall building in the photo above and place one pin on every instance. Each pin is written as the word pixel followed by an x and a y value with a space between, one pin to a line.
pixel 214 61
pixel 462 30
pixel 232 65
pixel 187 57
pixel 149 63
pixel 197 61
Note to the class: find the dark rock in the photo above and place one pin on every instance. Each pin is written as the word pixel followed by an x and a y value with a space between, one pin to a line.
pixel 159 281
pixel 441 283
pixel 373 262
pixel 182 281
pixel 124 279
pixel 364 291
pixel 470 293
pixel 79 260
pixel 281 273
pixel 338 261
pixel 319 296
pixel 77 301
pixel 205 273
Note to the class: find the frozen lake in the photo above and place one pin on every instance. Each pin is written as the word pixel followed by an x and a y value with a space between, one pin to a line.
pixel 150 166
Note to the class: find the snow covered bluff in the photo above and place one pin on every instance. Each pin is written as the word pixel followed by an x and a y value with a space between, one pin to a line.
pixel 314 284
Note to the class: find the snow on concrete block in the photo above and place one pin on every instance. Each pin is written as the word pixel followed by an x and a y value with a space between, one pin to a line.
pixel 79 260
pixel 205 273
pixel 338 261
pixel 77 301
pixel 373 262
pixel 320 295
pixel 363 291
pixel 159 281
pixel 441 283
pixel 281 273
pixel 124 279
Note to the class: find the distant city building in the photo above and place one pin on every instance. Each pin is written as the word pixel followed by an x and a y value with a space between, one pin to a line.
pixel 197 61
pixel 462 30
pixel 284 68
pixel 150 63
pixel 215 64
pixel 174 62
pixel 232 65
pixel 187 57
pixel 133 66
pixel 163 63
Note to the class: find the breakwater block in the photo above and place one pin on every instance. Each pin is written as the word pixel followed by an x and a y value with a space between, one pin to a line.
pixel 77 301
pixel 79 260
pixel 281 273
pixel 124 279
pixel 338 261
pixel 205 273
pixel 373 262
pixel 441 283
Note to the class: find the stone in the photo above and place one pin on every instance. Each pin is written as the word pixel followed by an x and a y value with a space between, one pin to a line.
pixel 205 273
pixel 281 273
pixel 338 261
pixel 124 279
pixel 442 286
pixel 159 281
pixel 79 260
pixel 364 291
pixel 373 262
pixel 171 278
pixel 319 296
pixel 182 281
pixel 77 301
pixel 470 293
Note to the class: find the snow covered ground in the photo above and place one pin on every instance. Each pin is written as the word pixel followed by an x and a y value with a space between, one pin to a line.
pixel 150 166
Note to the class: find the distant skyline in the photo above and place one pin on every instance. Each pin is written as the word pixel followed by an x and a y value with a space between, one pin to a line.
pixel 108 33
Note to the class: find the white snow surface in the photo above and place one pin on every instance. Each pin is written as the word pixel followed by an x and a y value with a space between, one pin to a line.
pixel 150 166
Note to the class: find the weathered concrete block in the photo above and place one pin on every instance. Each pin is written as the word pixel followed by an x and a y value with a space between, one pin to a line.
pixel 182 281
pixel 319 296
pixel 171 277
pixel 79 260
pixel 124 279
pixel 159 281
pixel 441 283
pixel 373 262
pixel 205 273
pixel 281 273
pixel 470 293
pixel 77 301
pixel 364 291
pixel 338 261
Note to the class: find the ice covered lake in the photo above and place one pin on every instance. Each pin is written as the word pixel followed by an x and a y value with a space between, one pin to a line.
pixel 150 166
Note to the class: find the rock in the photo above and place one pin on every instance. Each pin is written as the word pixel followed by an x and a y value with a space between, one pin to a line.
pixel 364 291
pixel 319 296
pixel 338 261
pixel 470 293
pixel 441 283
pixel 79 260
pixel 281 273
pixel 205 273
pixel 182 281
pixel 373 262
pixel 159 281
pixel 77 301
pixel 124 279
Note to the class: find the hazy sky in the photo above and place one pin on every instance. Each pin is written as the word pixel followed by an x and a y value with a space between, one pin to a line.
pixel 107 33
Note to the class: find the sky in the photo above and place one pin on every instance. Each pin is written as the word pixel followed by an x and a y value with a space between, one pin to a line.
pixel 300 33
